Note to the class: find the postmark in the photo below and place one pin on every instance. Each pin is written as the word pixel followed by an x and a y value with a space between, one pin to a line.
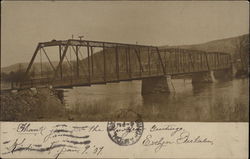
pixel 125 133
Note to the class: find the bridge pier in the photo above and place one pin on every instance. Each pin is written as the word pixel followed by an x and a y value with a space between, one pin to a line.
pixel 156 85
pixel 203 77
pixel 223 75
pixel 60 94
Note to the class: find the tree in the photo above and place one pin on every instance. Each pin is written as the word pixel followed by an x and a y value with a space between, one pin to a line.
pixel 241 49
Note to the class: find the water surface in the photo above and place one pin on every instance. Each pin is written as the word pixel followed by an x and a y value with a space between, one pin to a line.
pixel 220 101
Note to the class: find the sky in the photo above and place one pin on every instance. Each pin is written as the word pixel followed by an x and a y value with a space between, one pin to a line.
pixel 25 24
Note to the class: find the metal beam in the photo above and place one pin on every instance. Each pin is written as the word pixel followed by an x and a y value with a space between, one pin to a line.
pixel 175 62
pixel 201 65
pixel 149 67
pixel 129 62
pixel 138 55
pixel 76 51
pixel 60 62
pixel 88 63
pixel 218 60
pixel 60 57
pixel 32 60
pixel 179 62
pixel 117 62
pixel 41 64
pixel 126 55
pixel 48 59
pixel 163 68
pixel 207 61
pixel 77 62
pixel 171 62
pixel 91 43
pixel 191 61
pixel 80 63
pixel 165 60
pixel 92 61
pixel 104 61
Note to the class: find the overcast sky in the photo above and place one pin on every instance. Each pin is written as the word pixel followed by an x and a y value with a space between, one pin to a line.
pixel 24 24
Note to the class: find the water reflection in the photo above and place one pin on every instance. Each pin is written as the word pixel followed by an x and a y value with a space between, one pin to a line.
pixel 220 101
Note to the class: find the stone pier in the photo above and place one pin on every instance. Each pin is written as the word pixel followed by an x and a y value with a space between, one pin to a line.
pixel 203 77
pixel 224 75
pixel 212 76
pixel 156 85
pixel 60 94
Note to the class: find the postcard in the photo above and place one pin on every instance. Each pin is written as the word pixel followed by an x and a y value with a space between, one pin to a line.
pixel 124 79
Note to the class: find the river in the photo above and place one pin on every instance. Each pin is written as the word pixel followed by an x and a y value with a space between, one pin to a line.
pixel 219 101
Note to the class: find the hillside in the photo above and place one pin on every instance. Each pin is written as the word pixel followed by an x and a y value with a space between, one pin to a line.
pixel 14 67
pixel 23 66
pixel 228 45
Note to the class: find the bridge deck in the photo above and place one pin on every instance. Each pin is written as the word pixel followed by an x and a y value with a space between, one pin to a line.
pixel 69 82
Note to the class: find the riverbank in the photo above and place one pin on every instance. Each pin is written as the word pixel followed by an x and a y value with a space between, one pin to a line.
pixel 31 105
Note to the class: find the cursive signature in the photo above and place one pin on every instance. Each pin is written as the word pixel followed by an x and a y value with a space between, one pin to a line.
pixel 158 143
pixel 172 135
pixel 185 138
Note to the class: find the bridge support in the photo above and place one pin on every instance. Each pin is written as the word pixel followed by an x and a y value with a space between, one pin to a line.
pixel 59 94
pixel 203 77
pixel 156 85
pixel 224 75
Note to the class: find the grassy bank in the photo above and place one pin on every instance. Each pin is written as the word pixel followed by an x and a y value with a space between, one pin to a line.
pixel 31 105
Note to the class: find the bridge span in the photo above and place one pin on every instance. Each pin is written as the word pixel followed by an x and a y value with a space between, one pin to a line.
pixel 85 62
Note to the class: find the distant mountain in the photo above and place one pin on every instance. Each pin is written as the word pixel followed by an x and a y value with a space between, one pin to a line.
pixel 23 66
pixel 14 67
pixel 236 46
pixel 228 45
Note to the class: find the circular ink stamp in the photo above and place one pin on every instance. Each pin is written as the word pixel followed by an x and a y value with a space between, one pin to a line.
pixel 127 132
